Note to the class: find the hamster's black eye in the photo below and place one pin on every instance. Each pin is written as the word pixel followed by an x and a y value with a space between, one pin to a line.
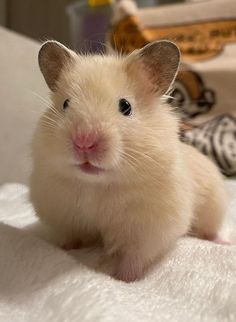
pixel 125 107
pixel 66 104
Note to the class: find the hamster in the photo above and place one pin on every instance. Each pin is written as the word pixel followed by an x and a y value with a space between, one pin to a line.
pixel 108 165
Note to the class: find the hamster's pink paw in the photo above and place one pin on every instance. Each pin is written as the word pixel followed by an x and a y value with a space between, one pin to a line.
pixel 129 270
pixel 216 239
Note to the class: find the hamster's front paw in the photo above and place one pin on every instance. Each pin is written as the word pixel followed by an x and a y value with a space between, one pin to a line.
pixel 218 240
pixel 130 269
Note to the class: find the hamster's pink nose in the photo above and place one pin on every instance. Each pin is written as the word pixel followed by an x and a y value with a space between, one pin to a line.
pixel 85 143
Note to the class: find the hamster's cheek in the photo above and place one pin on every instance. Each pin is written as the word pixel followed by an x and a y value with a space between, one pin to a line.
pixel 60 147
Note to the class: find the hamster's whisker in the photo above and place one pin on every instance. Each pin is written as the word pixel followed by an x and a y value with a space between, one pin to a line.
pixel 129 156
pixel 52 121
pixel 144 155
pixel 55 112
pixel 50 129
pixel 49 123
pixel 47 104
pixel 129 162
pixel 56 120
pixel 133 165
pixel 48 118
pixel 41 98
pixel 125 157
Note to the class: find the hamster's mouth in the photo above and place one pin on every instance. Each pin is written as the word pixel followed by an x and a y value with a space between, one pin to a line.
pixel 90 169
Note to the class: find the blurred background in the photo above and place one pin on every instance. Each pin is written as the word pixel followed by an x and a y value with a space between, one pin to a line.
pixel 61 19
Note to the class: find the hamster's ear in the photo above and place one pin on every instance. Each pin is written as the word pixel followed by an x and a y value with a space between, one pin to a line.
pixel 155 66
pixel 52 58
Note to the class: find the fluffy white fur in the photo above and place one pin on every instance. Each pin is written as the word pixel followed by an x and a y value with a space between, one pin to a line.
pixel 154 188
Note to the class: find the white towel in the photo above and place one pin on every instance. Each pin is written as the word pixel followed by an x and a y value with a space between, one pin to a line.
pixel 39 282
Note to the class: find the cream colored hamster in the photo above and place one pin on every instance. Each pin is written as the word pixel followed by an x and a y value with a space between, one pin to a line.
pixel 107 161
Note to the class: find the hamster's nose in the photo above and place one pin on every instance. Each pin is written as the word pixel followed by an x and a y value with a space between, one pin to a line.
pixel 85 143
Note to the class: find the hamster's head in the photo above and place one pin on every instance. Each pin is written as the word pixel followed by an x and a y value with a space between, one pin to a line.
pixel 105 116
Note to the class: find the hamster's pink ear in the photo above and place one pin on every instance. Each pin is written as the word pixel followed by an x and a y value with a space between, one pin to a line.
pixel 52 58
pixel 155 66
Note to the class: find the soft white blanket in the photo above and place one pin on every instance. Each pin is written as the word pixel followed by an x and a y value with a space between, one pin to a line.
pixel 39 282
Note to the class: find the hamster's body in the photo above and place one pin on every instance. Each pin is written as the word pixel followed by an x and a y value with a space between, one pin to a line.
pixel 141 188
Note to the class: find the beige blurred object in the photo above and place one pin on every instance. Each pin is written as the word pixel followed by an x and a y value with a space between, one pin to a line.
pixel 21 84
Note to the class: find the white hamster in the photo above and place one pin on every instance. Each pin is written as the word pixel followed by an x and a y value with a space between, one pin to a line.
pixel 107 161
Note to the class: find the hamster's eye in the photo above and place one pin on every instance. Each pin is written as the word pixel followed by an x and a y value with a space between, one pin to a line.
pixel 125 107
pixel 66 104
